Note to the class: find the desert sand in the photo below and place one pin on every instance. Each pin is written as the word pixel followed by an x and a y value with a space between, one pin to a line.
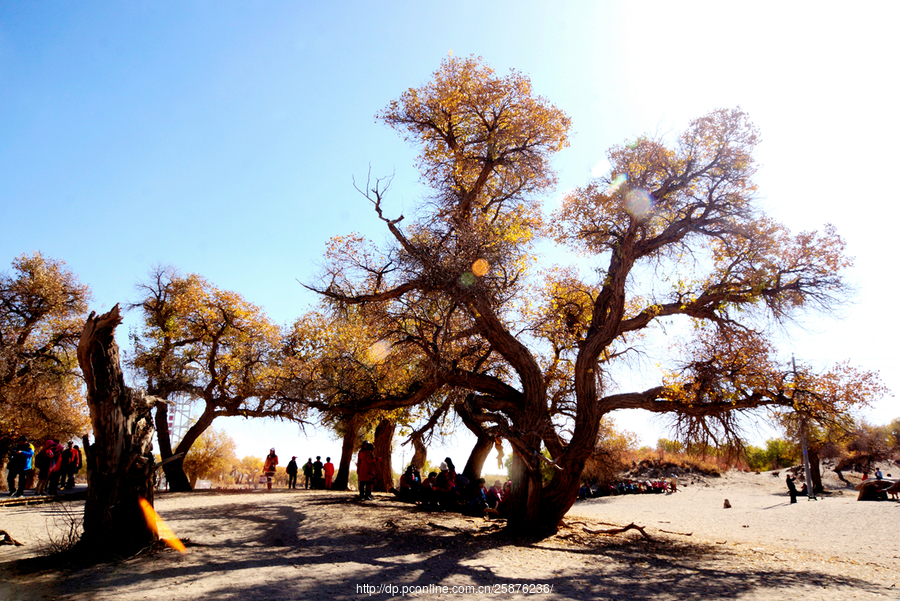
pixel 327 545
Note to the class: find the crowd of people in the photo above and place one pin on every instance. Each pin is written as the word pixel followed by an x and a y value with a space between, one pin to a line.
pixel 630 487
pixel 449 491
pixel 316 475
pixel 54 467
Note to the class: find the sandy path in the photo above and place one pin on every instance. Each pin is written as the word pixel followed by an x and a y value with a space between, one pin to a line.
pixel 317 545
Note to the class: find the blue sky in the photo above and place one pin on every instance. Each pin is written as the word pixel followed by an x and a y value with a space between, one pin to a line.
pixel 222 137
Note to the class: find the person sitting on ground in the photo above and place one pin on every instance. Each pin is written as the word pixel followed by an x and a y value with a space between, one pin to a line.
pixel 478 504
pixel 878 475
pixel 495 494
pixel 445 491
pixel 427 495
pixel 409 487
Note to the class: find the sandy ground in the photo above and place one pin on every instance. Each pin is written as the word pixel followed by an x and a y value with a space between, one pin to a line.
pixel 318 545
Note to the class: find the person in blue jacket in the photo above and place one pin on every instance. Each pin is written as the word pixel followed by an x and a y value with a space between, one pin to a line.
pixel 19 466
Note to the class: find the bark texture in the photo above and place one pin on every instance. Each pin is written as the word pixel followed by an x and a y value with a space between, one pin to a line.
pixel 384 436
pixel 342 478
pixel 120 461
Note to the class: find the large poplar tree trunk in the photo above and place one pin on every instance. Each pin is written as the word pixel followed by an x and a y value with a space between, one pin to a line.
pixel 120 461
pixel 420 455
pixel 384 475
pixel 815 471
pixel 174 470
pixel 342 478
pixel 477 457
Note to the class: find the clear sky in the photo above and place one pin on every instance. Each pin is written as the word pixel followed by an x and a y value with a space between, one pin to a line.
pixel 222 137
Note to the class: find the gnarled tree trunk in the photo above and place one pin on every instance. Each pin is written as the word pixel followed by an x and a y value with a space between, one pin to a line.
pixel 342 478
pixel 420 455
pixel 477 457
pixel 384 436
pixel 120 462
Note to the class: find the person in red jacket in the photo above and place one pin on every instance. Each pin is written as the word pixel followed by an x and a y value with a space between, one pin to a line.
pixel 365 470
pixel 329 473
pixel 71 463
pixel 269 468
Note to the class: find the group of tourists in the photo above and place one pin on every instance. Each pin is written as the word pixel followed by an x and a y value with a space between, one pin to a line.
pixel 630 487
pixel 55 464
pixel 316 475
pixel 449 491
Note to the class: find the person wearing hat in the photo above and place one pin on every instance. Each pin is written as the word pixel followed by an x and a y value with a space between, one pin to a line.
pixel 292 472
pixel 269 468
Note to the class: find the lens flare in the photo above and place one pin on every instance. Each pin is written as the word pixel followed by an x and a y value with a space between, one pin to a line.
pixel 480 268
pixel 157 525
pixel 467 279
pixel 638 204
pixel 616 183
pixel 378 352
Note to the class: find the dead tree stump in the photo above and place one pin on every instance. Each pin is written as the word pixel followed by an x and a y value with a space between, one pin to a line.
pixel 120 461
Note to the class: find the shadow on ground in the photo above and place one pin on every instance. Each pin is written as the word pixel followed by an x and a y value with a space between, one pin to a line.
pixel 312 547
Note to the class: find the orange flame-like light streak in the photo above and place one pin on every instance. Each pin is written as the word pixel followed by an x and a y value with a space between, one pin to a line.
pixel 156 523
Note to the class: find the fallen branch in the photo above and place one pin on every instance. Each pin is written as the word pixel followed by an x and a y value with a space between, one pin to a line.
pixel 679 533
pixel 6 539
pixel 631 526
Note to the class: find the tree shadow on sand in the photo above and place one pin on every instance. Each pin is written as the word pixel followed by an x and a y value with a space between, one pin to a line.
pixel 276 551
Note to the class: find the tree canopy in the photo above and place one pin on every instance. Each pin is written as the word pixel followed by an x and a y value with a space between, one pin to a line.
pixel 213 346
pixel 673 232
pixel 42 312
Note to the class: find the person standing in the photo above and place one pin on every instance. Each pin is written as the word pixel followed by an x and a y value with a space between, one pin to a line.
pixel 269 468
pixel 318 480
pixel 42 461
pixel 307 472
pixel 19 466
pixel 292 472
pixel 792 488
pixel 365 470
pixel 71 463
pixel 56 467
pixel 328 468
pixel 673 483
